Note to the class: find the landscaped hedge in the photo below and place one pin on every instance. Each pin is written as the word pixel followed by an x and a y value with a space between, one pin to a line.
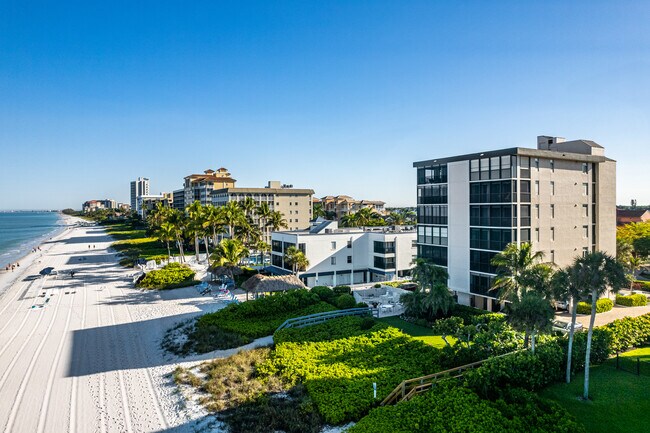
pixel 637 300
pixel 448 408
pixel 602 305
pixel 169 276
pixel 339 373
pixel 261 317
pixel 535 371
pixel 628 332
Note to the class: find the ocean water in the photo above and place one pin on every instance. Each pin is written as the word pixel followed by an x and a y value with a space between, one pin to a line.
pixel 22 231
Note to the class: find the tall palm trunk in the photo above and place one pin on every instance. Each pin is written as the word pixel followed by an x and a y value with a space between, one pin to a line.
pixel 574 311
pixel 169 253
pixel 594 299
pixel 207 251
pixel 196 248
pixel 532 341
pixel 179 242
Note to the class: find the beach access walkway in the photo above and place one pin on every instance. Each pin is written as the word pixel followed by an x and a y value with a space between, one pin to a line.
pixel 83 354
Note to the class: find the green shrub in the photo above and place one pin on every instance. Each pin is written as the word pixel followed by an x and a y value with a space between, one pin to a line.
pixel 342 327
pixel 602 305
pixel 637 300
pixel 448 408
pixel 239 324
pixel 169 276
pixel 361 305
pixel 628 332
pixel 338 373
pixel 345 301
pixel 324 293
pixel 377 286
pixel 467 313
pixel 342 290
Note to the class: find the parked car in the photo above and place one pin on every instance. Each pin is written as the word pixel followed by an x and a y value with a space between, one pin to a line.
pixel 564 327
pixel 561 305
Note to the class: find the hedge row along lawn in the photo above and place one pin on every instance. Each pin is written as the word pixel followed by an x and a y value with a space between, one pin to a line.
pixel 424 334
pixel 636 300
pixel 602 305
pixel 170 276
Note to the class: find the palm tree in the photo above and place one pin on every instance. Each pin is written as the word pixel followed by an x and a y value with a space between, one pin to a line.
pixel 598 271
pixel 229 253
pixel 263 212
pixel 367 217
pixel 530 312
pixel 296 259
pixel 179 222
pixel 567 287
pixel 165 233
pixel 262 247
pixel 233 215
pixel 318 211
pixel 438 298
pixel 213 221
pixel 396 218
pixel 427 274
pixel 248 233
pixel 248 205
pixel 350 220
pixel 413 303
pixel 195 226
pixel 633 265
pixel 512 265
pixel 276 221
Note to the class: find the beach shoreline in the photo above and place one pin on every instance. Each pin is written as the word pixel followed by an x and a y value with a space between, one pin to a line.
pixel 27 248
pixel 8 277
pixel 83 354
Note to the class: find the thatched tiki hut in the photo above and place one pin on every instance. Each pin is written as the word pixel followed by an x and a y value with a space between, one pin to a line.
pixel 268 284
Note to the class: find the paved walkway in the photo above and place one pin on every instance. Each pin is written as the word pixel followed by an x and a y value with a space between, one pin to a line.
pixel 618 312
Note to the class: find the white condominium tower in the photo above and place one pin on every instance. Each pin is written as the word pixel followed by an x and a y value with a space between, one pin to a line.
pixel 138 188
pixel 560 197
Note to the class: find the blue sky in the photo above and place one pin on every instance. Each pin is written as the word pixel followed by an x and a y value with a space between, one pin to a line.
pixel 340 97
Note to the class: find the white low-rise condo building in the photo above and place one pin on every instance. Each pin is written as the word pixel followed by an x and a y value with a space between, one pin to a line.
pixel 560 197
pixel 347 255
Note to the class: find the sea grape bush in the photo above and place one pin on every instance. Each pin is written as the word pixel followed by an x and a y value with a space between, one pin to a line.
pixel 168 277
pixel 450 408
pixel 339 373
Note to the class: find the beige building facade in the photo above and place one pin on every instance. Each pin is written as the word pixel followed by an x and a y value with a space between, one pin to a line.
pixel 295 204
pixel 342 205
pixel 560 197
pixel 199 187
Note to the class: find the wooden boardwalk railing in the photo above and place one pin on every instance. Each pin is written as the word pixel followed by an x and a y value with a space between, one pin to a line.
pixel 314 319
pixel 411 387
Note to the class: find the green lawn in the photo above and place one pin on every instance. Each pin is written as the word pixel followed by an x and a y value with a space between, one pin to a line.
pixel 619 400
pixel 134 242
pixel 642 353
pixel 418 332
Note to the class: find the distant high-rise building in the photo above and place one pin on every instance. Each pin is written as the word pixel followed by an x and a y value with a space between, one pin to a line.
pixel 138 187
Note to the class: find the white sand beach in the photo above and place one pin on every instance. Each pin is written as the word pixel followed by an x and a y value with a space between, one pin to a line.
pixel 83 354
